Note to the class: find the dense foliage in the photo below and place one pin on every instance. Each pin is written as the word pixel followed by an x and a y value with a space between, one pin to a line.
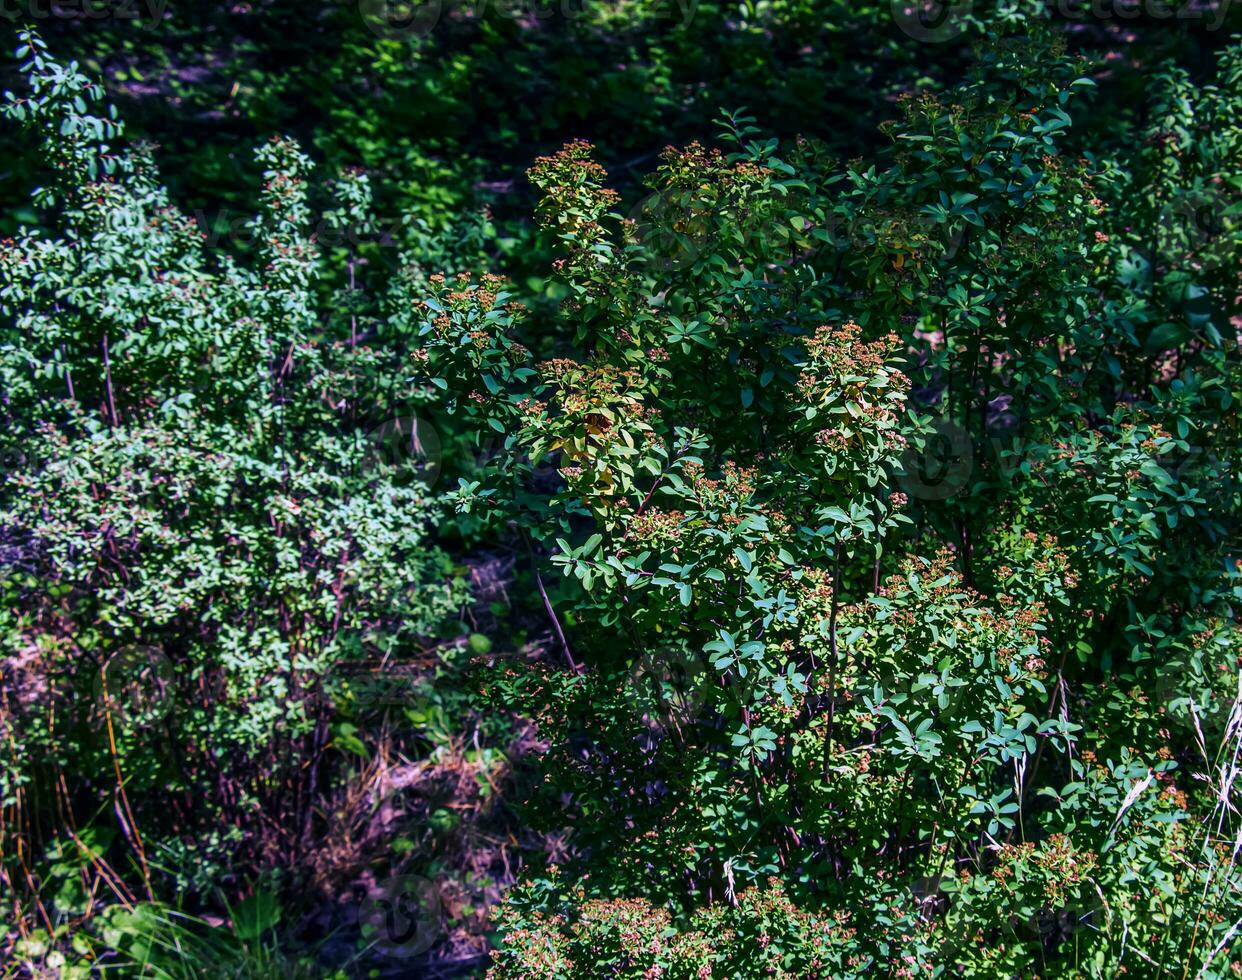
pixel 780 565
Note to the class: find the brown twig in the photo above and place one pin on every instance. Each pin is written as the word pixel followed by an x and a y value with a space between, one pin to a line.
pixel 547 604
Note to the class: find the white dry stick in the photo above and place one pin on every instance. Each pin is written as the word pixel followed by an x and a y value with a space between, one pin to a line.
pixel 1233 931
pixel 1228 772
pixel 1194 714
pixel 1019 775
pixel 1135 792
pixel 1232 738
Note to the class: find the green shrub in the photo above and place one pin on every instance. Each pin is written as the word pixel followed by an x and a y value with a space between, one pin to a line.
pixel 206 531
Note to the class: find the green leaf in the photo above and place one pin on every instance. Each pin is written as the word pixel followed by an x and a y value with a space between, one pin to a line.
pixel 255 915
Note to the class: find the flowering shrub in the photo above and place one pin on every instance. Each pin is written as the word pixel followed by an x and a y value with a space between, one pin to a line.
pixel 762 933
pixel 724 480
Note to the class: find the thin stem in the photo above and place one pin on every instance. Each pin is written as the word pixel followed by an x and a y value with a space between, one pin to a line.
pixel 547 605
pixel 113 418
